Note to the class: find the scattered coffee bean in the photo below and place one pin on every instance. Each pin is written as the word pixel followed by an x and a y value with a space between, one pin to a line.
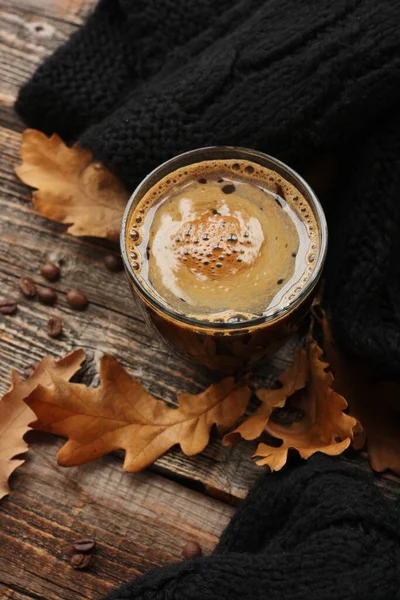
pixel 77 299
pixel 80 561
pixel 192 550
pixel 287 415
pixel 46 295
pixel 113 263
pixel 7 307
pixel 50 271
pixel 27 287
pixel 84 545
pixel 54 327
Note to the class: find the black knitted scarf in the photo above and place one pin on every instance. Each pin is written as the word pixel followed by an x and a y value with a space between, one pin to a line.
pixel 322 532
pixel 144 80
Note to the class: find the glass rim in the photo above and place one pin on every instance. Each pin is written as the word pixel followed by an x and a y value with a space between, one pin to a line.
pixel 284 169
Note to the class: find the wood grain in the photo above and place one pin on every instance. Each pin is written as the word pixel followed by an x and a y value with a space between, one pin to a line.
pixel 138 521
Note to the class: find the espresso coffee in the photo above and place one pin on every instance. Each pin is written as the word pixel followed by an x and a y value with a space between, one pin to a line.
pixel 223 241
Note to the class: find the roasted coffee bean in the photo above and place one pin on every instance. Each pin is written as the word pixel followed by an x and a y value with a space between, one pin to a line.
pixel 84 545
pixel 287 415
pixel 80 561
pixel 54 327
pixel 113 263
pixel 47 295
pixel 7 307
pixel 77 299
pixel 27 287
pixel 50 271
pixel 192 550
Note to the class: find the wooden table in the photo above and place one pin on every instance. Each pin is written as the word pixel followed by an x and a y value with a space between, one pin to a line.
pixel 139 521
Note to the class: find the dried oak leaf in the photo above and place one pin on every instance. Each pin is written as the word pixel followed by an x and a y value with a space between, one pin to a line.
pixel 15 415
pixel 293 379
pixel 324 428
pixel 375 403
pixel 120 413
pixel 70 188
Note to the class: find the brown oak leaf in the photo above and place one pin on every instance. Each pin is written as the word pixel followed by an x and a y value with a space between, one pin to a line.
pixel 15 415
pixel 293 379
pixel 374 402
pixel 324 428
pixel 70 188
pixel 121 414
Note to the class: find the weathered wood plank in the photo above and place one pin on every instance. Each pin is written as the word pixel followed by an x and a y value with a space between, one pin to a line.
pixel 8 593
pixel 139 521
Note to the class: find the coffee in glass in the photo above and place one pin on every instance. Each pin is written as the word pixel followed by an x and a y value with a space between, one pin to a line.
pixel 224 246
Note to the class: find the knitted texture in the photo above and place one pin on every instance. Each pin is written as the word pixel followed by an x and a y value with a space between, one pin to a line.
pixel 145 80
pixel 322 532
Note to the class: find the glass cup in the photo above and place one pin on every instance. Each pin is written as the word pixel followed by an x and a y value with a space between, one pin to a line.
pixel 226 347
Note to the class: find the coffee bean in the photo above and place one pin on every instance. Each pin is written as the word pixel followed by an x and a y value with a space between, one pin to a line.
pixel 113 263
pixel 54 327
pixel 7 307
pixel 84 545
pixel 77 299
pixel 50 271
pixel 287 415
pixel 27 287
pixel 192 550
pixel 80 561
pixel 46 295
